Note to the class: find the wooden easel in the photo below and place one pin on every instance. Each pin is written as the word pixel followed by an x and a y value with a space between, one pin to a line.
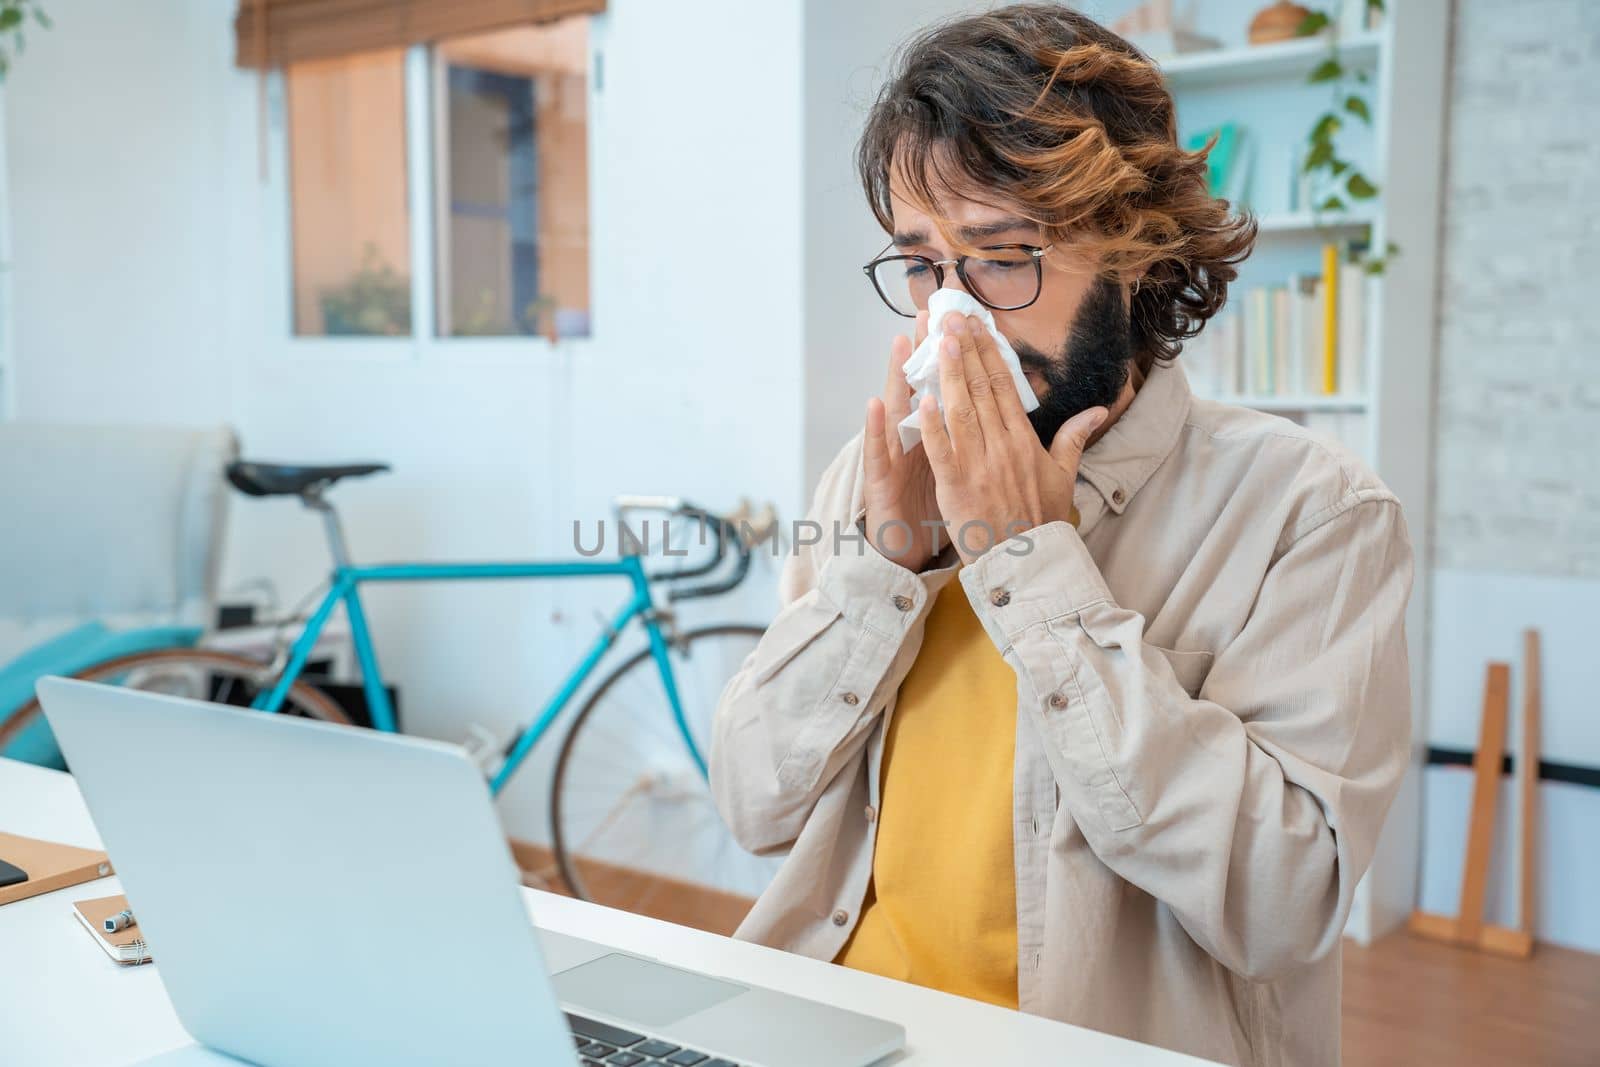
pixel 1468 927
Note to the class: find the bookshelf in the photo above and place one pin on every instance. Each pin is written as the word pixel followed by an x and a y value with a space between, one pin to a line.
pixel 1303 222
pixel 1292 60
pixel 1301 404
pixel 1386 416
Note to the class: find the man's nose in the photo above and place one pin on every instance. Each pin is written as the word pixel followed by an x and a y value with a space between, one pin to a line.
pixel 952 280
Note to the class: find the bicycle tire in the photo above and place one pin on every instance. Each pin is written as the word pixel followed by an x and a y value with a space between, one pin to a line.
pixel 566 859
pixel 302 699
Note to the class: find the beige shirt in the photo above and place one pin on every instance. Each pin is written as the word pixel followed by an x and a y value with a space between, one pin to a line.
pixel 1213 717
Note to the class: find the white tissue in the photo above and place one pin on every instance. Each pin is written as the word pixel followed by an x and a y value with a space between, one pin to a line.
pixel 922 369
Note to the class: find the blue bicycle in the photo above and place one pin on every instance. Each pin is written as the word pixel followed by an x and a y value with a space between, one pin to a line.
pixel 630 807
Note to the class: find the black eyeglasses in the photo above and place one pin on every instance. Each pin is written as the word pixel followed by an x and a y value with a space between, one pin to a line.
pixel 1005 278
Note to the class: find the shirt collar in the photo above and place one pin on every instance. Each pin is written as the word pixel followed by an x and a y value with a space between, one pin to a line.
pixel 1123 459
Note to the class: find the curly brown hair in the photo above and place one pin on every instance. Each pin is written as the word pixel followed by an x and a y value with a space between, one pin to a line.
pixel 1058 116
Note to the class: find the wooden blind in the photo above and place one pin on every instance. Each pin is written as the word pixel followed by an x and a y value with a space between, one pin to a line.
pixel 272 33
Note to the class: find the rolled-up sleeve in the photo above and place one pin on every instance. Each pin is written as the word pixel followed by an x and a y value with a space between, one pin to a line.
pixel 1253 809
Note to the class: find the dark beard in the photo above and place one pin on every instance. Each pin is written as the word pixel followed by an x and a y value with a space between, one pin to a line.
pixel 1092 366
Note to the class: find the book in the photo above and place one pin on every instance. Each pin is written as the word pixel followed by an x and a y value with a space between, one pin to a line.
pixel 1306 337
pixel 1223 157
pixel 1234 353
pixel 1311 324
pixel 126 947
pixel 1229 164
pixel 1254 377
pixel 1281 335
pixel 49 866
pixel 1294 383
pixel 1215 361
pixel 1352 357
pixel 1330 319
pixel 1203 355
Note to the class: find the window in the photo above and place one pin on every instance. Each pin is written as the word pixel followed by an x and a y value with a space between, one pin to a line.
pixel 512 175
pixel 347 196
pixel 486 197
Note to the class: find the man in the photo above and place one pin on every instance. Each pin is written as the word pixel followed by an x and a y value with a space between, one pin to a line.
pixel 1114 743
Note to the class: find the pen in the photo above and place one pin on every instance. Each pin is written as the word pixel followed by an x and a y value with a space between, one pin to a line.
pixel 120 921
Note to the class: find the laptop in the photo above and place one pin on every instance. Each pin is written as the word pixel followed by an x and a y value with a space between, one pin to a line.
pixel 318 894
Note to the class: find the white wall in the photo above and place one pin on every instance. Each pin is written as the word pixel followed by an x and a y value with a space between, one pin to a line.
pixel 1564 910
pixel 146 290
pixel 689 385
pixel 1479 616
pixel 113 147
pixel 140 234
pixel 848 48
pixel 1518 493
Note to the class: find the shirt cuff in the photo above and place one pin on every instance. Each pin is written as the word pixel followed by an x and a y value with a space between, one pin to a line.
pixel 869 589
pixel 1042 574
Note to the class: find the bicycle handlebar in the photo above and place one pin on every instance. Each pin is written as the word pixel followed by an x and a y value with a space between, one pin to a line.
pixel 723 532
pixel 721 529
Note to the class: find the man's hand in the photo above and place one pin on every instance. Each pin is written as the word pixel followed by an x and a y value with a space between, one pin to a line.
pixel 899 485
pixel 992 478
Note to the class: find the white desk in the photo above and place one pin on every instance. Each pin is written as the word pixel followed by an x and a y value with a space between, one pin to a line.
pixel 63 1002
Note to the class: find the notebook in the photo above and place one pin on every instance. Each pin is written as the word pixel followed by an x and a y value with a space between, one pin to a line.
pixel 49 866
pixel 125 946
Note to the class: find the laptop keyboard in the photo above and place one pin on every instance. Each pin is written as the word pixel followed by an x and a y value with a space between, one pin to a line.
pixel 603 1045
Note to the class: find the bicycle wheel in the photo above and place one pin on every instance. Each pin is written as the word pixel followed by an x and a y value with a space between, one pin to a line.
pixel 219 677
pixel 631 815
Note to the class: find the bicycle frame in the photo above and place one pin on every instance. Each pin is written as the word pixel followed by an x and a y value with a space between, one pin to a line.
pixel 345 589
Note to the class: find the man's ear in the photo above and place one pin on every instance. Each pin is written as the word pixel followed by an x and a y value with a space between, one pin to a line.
pixel 1131 285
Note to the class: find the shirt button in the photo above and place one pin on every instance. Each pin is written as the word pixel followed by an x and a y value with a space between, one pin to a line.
pixel 902 603
pixel 841 917
pixel 1117 497
pixel 871 813
pixel 850 698
pixel 1000 598
pixel 1058 700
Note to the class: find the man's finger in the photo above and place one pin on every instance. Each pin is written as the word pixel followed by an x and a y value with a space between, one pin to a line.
pixel 899 352
pixel 936 439
pixel 896 393
pixel 960 416
pixel 979 356
pixel 1000 381
pixel 1066 448
pixel 875 445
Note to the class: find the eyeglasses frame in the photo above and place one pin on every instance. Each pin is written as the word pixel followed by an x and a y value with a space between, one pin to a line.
pixel 1035 254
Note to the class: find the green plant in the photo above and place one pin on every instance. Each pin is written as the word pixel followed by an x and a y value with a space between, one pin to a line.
pixel 541 310
pixel 375 300
pixel 1349 103
pixel 14 15
pixel 485 320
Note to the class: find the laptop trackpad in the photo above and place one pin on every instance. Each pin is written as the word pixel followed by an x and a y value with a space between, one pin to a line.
pixel 641 992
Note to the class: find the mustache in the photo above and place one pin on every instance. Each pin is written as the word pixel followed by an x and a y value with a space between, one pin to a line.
pixel 1031 358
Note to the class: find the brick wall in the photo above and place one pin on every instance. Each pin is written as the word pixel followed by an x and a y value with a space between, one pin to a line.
pixel 1518 450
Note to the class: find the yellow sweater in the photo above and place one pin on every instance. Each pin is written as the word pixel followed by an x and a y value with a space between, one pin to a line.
pixel 941 910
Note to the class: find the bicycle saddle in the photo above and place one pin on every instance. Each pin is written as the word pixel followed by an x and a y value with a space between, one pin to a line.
pixel 292 479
